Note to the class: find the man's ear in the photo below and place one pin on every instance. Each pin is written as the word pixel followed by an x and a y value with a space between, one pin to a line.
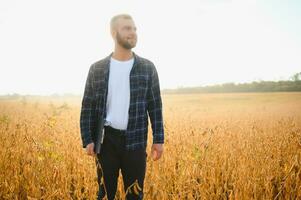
pixel 113 33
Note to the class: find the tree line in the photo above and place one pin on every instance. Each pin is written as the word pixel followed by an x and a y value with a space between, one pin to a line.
pixel 291 85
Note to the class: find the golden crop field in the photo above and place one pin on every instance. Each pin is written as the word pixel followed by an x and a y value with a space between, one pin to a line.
pixel 218 146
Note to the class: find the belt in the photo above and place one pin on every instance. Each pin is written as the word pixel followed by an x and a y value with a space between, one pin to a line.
pixel 115 131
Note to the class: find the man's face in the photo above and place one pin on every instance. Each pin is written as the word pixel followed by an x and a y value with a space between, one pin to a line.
pixel 125 33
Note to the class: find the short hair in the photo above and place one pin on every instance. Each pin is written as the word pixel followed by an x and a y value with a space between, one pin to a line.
pixel 116 17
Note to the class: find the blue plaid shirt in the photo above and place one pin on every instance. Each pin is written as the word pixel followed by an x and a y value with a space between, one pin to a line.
pixel 145 100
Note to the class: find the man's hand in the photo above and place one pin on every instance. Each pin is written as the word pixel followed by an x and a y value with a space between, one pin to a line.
pixel 90 149
pixel 157 150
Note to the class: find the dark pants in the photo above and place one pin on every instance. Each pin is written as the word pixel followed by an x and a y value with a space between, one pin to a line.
pixel 113 156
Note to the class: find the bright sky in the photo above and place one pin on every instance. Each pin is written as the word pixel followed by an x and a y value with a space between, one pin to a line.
pixel 47 47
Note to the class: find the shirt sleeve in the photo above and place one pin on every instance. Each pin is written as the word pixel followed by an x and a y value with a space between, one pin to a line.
pixel 87 118
pixel 154 107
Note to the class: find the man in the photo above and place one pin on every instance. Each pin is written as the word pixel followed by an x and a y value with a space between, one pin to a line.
pixel 120 90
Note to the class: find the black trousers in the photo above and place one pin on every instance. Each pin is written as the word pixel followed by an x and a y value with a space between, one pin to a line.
pixel 114 157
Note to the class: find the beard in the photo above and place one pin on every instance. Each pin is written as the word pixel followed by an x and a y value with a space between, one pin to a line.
pixel 125 43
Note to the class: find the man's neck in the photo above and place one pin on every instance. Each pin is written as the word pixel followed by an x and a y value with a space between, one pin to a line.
pixel 122 54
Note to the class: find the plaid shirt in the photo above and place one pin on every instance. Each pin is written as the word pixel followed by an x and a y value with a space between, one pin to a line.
pixel 145 98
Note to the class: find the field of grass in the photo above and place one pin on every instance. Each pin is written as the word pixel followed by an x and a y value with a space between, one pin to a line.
pixel 218 146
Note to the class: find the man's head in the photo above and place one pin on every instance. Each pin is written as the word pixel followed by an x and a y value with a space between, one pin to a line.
pixel 123 31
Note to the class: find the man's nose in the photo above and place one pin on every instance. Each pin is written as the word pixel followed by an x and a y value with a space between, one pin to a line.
pixel 133 32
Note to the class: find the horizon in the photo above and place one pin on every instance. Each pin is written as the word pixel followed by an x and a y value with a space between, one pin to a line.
pixel 215 42
pixel 162 90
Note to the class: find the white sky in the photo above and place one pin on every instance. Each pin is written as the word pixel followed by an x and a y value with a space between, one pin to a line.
pixel 47 47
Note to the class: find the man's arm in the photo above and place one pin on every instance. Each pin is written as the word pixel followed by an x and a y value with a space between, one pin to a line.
pixel 87 118
pixel 154 107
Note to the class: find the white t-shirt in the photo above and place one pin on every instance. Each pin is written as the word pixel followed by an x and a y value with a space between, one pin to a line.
pixel 118 99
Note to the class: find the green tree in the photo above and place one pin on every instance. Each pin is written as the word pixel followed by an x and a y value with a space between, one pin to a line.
pixel 296 77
